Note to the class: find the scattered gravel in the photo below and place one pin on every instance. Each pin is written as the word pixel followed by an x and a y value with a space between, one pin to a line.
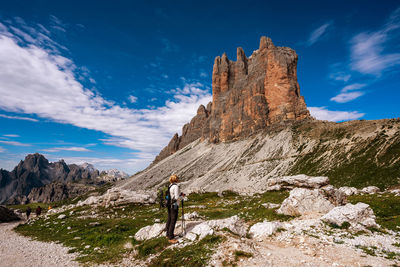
pixel 17 250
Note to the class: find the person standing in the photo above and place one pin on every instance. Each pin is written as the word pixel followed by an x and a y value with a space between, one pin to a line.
pixel 28 212
pixel 38 211
pixel 173 198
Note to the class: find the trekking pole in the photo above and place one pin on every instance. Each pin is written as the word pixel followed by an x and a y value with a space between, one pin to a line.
pixel 183 220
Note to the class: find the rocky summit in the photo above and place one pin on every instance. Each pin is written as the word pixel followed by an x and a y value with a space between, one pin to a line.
pixel 249 94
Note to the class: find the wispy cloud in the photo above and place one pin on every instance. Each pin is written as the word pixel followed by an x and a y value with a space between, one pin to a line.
pixel 51 90
pixel 169 46
pixel 57 149
pixel 11 135
pixel 132 99
pixel 318 33
pixel 13 143
pixel 347 96
pixel 369 50
pixel 2 149
pixel 17 118
pixel 322 113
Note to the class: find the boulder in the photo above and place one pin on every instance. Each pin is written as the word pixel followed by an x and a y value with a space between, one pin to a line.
pixel 335 196
pixel 7 215
pixel 300 180
pixel 264 229
pixel 348 191
pixel 370 190
pixel 150 231
pixel 304 201
pixel 200 231
pixel 191 216
pixel 115 196
pixel 61 216
pixel 357 215
pixel 234 224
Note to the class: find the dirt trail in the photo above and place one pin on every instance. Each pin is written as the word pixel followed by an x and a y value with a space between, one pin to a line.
pixel 17 250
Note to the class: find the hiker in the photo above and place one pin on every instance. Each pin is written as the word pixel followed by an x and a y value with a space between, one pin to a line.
pixel 173 197
pixel 28 212
pixel 38 211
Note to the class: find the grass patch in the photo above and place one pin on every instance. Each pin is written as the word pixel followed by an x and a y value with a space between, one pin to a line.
pixel 197 254
pixel 385 206
pixel 242 254
pixel 152 246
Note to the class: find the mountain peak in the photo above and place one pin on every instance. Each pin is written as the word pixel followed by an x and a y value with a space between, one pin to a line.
pixel 249 95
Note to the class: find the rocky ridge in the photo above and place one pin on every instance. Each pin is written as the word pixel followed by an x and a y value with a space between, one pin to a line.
pixel 249 94
pixel 36 179
pixel 353 153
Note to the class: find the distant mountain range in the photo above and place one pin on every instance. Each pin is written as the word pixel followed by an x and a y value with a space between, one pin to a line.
pixel 36 179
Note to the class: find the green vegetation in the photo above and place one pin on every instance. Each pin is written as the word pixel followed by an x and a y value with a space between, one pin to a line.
pixel 197 254
pixel 364 165
pixel 242 254
pixel 99 234
pixel 152 246
pixel 385 206
pixel 248 208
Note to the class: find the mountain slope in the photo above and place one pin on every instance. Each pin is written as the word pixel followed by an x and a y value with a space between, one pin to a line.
pixel 354 153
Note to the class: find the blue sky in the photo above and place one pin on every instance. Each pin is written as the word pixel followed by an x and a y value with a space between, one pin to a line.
pixel 109 84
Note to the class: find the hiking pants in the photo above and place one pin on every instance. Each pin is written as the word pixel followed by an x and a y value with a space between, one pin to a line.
pixel 172 217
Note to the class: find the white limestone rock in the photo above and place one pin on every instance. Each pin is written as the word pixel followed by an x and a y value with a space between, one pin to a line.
pixel 61 216
pixel 300 180
pixel 348 191
pixel 303 201
pixel 264 229
pixel 270 205
pixel 191 216
pixel 234 224
pixel 201 230
pixel 357 215
pixel 150 231
pixel 370 190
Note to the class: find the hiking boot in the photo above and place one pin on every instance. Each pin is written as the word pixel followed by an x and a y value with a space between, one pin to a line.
pixel 172 241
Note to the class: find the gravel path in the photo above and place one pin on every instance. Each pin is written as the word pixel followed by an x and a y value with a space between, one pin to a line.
pixel 17 250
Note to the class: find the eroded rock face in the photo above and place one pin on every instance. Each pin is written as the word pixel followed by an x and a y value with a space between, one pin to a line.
pixel 248 95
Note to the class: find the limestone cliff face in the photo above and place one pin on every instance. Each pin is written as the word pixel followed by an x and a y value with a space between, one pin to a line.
pixel 249 94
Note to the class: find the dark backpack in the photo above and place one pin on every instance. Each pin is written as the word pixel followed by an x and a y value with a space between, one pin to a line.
pixel 168 197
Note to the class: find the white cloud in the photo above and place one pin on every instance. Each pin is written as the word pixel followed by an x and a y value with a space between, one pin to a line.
pixel 354 86
pixel 50 89
pixel 165 76
pixel 11 135
pixel 317 34
pixel 321 113
pixel 203 74
pixel 17 118
pixel 2 149
pixel 132 99
pixel 346 97
pixel 340 76
pixel 13 143
pixel 368 48
pixel 57 149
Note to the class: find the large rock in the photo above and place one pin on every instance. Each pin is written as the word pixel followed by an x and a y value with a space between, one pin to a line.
pixel 300 180
pixel 116 196
pixel 370 190
pixel 150 231
pixel 348 191
pixel 234 224
pixel 7 215
pixel 264 229
pixel 199 232
pixel 249 94
pixel 303 201
pixel 357 215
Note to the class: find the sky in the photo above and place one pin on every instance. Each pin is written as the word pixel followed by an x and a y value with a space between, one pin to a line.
pixel 109 83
